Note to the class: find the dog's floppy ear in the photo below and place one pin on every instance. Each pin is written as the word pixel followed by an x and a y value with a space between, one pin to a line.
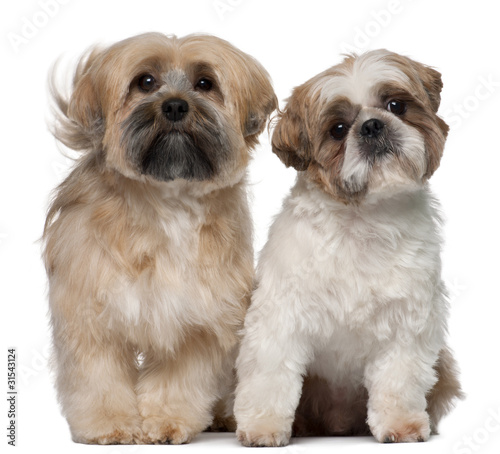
pixel 261 98
pixel 291 142
pixel 79 119
pixel 84 106
pixel 432 82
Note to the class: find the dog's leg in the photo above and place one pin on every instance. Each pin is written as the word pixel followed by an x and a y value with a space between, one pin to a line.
pixel 96 376
pixel 223 415
pixel 398 379
pixel 223 410
pixel 177 392
pixel 271 366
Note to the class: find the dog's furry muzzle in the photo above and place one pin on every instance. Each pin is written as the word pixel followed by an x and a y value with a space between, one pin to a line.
pixel 194 149
pixel 381 147
pixel 175 155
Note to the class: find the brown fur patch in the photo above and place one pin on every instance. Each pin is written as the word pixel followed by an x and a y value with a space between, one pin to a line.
pixel 291 141
pixel 222 424
pixel 441 398
pixel 324 412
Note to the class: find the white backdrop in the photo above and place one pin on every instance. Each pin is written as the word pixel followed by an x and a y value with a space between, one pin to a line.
pixel 294 40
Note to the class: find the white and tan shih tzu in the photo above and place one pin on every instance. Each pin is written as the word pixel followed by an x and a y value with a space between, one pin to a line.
pixel 346 330
pixel 148 242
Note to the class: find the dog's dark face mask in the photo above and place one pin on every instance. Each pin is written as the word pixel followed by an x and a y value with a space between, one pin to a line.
pixel 191 144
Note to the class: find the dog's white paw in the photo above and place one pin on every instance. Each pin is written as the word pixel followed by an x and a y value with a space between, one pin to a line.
pixel 406 428
pixel 263 438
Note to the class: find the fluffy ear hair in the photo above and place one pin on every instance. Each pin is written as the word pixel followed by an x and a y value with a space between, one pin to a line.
pixel 79 119
pixel 261 102
pixel 291 142
pixel 433 84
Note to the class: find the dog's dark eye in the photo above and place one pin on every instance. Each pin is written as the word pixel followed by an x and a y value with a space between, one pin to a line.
pixel 396 107
pixel 339 131
pixel 204 84
pixel 147 82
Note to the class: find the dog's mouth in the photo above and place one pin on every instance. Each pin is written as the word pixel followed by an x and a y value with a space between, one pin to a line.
pixel 380 148
pixel 176 155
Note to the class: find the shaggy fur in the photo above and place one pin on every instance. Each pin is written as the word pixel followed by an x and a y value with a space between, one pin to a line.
pixel 150 273
pixel 349 293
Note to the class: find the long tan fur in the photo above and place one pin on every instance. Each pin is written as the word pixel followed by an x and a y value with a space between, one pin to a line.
pixel 150 280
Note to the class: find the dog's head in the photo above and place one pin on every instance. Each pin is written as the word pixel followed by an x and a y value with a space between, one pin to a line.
pixel 364 126
pixel 165 108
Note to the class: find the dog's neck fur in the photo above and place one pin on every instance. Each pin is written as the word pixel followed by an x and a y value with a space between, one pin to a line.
pixel 410 212
pixel 392 196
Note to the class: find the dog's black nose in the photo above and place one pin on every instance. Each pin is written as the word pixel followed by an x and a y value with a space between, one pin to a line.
pixel 372 128
pixel 175 109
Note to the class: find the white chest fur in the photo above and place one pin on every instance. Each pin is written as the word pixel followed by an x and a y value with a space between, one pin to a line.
pixel 362 273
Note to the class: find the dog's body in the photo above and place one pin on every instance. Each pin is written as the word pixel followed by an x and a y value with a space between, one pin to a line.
pixel 349 292
pixel 148 242
pixel 148 279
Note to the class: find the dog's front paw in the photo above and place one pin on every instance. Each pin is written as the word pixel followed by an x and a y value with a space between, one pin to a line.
pixel 406 428
pixel 263 438
pixel 160 431
pixel 122 432
pixel 117 437
pixel 265 432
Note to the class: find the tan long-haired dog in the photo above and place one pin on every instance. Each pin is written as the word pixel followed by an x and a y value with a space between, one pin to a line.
pixel 148 241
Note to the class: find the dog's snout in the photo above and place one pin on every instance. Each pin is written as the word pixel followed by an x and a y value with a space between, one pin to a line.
pixel 372 128
pixel 175 109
